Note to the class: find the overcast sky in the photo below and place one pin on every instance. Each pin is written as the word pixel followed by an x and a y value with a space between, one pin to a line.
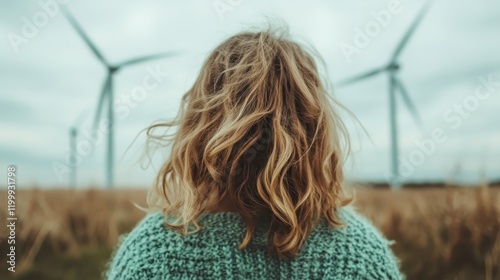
pixel 49 78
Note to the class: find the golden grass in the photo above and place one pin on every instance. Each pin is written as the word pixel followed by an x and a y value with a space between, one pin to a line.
pixel 440 233
pixel 451 233
pixel 65 221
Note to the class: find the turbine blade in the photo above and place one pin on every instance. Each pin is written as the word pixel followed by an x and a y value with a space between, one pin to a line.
pixel 82 33
pixel 102 99
pixel 409 103
pixel 362 76
pixel 146 58
pixel 411 30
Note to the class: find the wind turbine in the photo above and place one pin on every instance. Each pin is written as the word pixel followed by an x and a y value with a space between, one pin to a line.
pixel 107 90
pixel 395 86
pixel 73 137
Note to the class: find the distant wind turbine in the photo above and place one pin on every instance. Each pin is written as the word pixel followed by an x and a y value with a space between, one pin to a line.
pixel 73 137
pixel 107 89
pixel 395 85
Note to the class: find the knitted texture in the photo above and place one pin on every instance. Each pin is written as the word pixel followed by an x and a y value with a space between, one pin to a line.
pixel 152 251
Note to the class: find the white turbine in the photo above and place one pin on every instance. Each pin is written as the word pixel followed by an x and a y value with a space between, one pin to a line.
pixel 107 90
pixel 395 86
pixel 73 137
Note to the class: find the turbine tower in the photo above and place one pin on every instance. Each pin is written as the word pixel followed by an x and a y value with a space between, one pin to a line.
pixel 395 87
pixel 73 136
pixel 105 102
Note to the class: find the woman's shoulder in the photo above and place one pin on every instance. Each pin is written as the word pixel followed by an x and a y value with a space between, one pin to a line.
pixel 140 252
pixel 359 245
pixel 356 226
pixel 150 228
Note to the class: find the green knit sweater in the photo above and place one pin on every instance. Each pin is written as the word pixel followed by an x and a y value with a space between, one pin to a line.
pixel 152 251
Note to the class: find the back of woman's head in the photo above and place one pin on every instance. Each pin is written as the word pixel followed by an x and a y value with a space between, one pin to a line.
pixel 259 130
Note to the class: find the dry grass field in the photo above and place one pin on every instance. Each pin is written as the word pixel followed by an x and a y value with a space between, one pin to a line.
pixel 440 233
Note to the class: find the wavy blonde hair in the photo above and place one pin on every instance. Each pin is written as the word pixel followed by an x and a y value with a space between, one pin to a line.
pixel 257 128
